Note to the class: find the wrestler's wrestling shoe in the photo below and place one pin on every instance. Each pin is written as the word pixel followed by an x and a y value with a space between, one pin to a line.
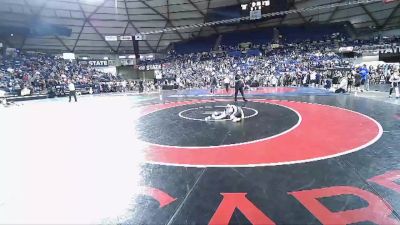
pixel 235 120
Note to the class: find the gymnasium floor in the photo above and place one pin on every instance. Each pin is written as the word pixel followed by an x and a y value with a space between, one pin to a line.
pixel 303 156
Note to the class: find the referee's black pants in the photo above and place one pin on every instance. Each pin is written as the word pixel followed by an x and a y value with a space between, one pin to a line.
pixel 237 89
pixel 340 90
pixel 72 93
pixel 226 87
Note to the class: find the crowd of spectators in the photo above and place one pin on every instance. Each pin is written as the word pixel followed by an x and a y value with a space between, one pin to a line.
pixel 283 66
pixel 303 63
pixel 292 64
pixel 35 73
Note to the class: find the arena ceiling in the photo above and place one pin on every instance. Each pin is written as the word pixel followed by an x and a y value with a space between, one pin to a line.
pixel 92 20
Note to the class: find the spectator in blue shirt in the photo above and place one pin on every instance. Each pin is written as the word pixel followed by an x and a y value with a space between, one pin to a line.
pixel 364 72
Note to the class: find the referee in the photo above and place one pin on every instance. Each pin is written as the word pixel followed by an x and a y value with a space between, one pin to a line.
pixel 239 85
pixel 72 91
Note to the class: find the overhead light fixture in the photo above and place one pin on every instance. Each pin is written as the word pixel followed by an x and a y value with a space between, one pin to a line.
pixel 132 56
pixel 105 58
pixel 85 58
pixel 122 57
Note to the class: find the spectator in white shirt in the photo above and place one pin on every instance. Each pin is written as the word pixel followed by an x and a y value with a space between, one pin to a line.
pixel 227 83
pixel 394 81
pixel 313 78
pixel 3 99
pixel 72 91
pixel 342 85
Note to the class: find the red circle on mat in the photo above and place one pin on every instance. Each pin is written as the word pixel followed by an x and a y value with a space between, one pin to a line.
pixel 324 132
pixel 264 90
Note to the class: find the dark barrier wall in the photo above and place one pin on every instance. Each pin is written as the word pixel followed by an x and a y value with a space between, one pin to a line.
pixel 389 57
pixel 127 72
pixel 130 73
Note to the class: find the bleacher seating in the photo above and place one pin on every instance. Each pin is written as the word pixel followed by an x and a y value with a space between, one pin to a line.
pixel 259 36
pixel 196 45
